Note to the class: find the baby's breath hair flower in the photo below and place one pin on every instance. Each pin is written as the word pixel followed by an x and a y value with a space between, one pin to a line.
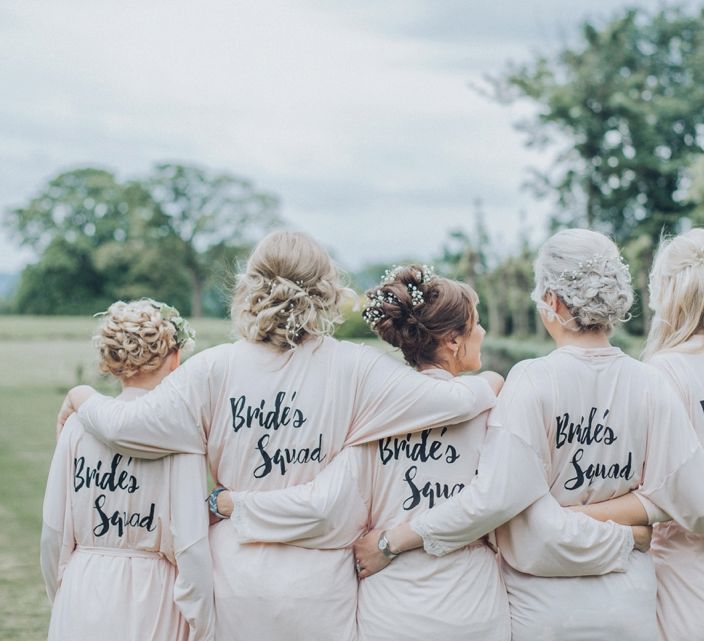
pixel 374 311
pixel 416 295
pixel 427 273
pixel 423 275
pixel 598 262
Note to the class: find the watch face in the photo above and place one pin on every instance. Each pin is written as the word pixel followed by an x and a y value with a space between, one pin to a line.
pixel 383 543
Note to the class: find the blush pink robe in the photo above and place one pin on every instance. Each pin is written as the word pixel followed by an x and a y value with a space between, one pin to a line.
pixel 459 596
pixel 124 546
pixel 589 425
pixel 269 420
pixel 678 553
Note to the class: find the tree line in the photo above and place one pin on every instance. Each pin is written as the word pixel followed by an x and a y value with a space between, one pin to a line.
pixel 621 110
pixel 172 234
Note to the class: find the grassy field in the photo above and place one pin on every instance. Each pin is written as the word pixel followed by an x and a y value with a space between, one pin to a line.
pixel 41 359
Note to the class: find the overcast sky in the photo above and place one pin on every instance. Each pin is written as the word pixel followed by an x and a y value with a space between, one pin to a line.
pixel 357 113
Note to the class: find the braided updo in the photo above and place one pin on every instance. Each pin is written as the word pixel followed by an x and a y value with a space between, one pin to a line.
pixel 584 268
pixel 414 310
pixel 290 290
pixel 133 338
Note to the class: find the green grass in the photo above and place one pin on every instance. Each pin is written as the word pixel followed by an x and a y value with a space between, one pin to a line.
pixel 26 444
pixel 41 357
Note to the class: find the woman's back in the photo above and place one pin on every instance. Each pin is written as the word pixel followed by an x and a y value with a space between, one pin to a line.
pixel 600 423
pixel 459 596
pixel 597 413
pixel 679 554
pixel 118 524
pixel 277 420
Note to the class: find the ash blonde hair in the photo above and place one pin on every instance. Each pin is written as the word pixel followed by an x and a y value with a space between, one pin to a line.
pixel 289 290
pixel 585 270
pixel 133 339
pixel 676 291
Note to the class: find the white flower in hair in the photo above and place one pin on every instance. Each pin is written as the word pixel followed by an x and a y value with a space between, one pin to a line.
pixel 416 295
pixel 427 273
pixel 374 311
pixel 596 264
pixel 390 274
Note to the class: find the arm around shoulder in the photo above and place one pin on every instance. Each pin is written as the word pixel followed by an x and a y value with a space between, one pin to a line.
pixel 169 419
pixel 329 512
pixel 392 398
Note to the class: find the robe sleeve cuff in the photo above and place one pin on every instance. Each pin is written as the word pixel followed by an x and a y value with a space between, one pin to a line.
pixel 655 514
pixel 240 517
pixel 626 548
pixel 430 544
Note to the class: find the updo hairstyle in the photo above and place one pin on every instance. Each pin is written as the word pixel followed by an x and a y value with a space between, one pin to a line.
pixel 677 291
pixel 290 290
pixel 585 270
pixel 414 310
pixel 133 338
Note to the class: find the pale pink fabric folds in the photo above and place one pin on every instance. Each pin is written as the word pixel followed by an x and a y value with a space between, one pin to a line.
pixel 271 420
pixel 679 553
pixel 589 424
pixel 459 597
pixel 124 548
pixel 456 596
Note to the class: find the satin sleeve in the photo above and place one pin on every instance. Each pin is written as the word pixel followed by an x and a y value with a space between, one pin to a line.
pixel 193 589
pixel 673 475
pixel 57 541
pixel 392 398
pixel 172 418
pixel 330 512
pixel 549 540
pixel 512 472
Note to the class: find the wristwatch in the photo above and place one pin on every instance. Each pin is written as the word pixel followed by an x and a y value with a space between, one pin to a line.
pixel 385 548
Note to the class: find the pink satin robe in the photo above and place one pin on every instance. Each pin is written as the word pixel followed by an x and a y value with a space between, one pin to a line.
pixel 268 420
pixel 124 546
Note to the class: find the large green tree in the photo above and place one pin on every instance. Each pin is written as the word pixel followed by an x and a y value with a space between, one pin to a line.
pixel 624 107
pixel 88 204
pixel 216 216
pixel 169 235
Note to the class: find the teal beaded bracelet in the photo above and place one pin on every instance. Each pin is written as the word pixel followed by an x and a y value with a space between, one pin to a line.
pixel 213 502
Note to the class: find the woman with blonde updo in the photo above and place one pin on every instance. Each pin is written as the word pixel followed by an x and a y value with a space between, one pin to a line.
pixel 124 547
pixel 272 410
pixel 595 424
pixel 676 347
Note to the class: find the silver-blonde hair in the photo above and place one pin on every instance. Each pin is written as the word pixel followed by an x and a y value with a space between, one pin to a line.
pixel 585 270
pixel 290 290
pixel 676 291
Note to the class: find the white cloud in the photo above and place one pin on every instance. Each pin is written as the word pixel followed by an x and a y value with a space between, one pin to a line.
pixel 358 114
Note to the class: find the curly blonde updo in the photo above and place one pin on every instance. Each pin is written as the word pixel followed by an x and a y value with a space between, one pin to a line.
pixel 290 290
pixel 414 310
pixel 133 339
